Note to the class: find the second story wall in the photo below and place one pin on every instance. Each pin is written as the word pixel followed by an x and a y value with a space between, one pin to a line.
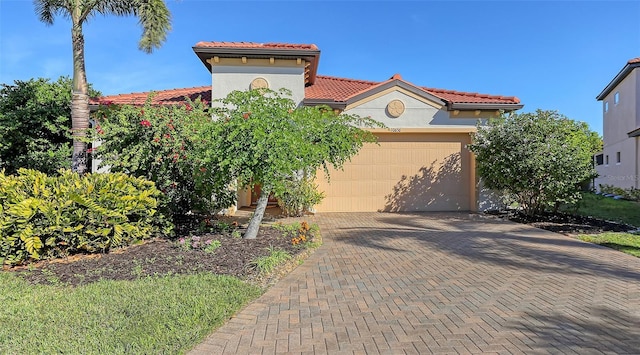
pixel 229 75
pixel 620 111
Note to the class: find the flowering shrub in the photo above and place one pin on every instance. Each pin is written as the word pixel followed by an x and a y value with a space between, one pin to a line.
pixel 300 233
pixel 159 143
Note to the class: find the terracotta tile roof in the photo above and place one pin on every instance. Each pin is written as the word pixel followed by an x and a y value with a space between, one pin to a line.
pixel 255 45
pixel 471 97
pixel 337 89
pixel 341 89
pixel 325 88
pixel 634 60
pixel 164 97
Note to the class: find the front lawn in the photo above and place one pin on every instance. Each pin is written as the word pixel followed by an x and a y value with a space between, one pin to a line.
pixel 607 208
pixel 624 242
pixel 159 297
pixel 151 315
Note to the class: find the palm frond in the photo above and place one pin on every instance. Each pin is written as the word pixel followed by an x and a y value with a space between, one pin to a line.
pixel 155 19
pixel 48 9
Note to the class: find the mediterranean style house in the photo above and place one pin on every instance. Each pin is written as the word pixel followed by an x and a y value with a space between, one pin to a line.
pixel 619 162
pixel 421 162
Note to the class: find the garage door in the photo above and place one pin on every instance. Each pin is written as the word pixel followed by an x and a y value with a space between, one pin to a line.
pixel 405 172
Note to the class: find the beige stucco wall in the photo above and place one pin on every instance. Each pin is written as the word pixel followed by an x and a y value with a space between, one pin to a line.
pixel 227 78
pixel 620 119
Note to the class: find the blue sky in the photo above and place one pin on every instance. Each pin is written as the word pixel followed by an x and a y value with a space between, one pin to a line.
pixel 551 54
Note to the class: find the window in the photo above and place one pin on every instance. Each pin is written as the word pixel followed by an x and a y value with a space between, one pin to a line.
pixel 606 160
pixel 606 106
pixel 617 157
pixel 616 97
pixel 599 159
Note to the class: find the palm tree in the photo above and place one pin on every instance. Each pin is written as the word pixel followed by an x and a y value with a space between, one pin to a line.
pixel 155 20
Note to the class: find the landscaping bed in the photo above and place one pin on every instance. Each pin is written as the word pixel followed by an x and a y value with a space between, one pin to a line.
pixel 565 223
pixel 182 255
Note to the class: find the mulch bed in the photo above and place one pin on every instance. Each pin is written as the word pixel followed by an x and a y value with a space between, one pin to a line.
pixel 565 223
pixel 159 257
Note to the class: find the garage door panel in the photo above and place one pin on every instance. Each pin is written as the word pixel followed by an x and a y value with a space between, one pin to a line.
pixel 405 172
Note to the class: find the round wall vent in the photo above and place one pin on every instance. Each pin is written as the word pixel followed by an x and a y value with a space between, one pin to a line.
pixel 395 108
pixel 259 83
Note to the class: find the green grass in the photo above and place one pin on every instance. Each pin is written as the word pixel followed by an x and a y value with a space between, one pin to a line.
pixel 608 209
pixel 624 242
pixel 267 264
pixel 151 315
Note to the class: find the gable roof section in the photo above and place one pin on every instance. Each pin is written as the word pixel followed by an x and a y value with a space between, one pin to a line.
pixel 164 97
pixel 339 92
pixel 628 68
pixel 333 91
pixel 309 52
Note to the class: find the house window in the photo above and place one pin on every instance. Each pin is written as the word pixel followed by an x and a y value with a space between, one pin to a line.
pixel 606 160
pixel 617 157
pixel 599 159
pixel 616 97
pixel 606 106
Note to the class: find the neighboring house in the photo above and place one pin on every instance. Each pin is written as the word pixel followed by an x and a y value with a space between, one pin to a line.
pixel 421 162
pixel 619 162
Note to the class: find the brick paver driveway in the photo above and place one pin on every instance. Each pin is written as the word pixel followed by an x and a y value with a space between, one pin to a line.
pixel 443 283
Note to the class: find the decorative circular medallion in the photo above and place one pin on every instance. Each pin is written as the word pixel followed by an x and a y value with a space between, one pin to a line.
pixel 259 83
pixel 395 108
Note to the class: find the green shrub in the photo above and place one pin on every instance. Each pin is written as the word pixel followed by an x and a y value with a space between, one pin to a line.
pixel 297 196
pixel 50 216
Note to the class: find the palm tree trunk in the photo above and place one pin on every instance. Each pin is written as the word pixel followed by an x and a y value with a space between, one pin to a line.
pixel 254 223
pixel 79 98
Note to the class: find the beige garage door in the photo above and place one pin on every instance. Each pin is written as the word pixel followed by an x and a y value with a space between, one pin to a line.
pixel 405 172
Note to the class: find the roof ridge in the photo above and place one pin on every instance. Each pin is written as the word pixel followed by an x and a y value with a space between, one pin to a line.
pixel 165 90
pixel 470 93
pixel 349 79
pixel 634 60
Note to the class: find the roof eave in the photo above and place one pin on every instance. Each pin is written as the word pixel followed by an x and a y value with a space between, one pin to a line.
pixel 311 55
pixel 617 79
pixel 340 105
pixel 481 106
pixel 634 133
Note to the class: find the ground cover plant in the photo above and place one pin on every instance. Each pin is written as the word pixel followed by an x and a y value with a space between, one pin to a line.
pixel 161 296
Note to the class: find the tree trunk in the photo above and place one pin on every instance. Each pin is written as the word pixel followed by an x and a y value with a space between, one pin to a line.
pixel 254 223
pixel 80 97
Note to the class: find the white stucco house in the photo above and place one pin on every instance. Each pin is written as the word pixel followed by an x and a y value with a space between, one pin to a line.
pixel 619 162
pixel 421 162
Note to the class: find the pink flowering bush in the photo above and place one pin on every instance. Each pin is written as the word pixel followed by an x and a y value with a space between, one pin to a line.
pixel 159 143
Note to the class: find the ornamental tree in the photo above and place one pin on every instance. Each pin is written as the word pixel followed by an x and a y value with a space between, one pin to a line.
pixel 35 123
pixel 541 158
pixel 261 137
pixel 158 143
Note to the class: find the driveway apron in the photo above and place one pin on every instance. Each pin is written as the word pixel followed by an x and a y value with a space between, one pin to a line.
pixel 443 283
